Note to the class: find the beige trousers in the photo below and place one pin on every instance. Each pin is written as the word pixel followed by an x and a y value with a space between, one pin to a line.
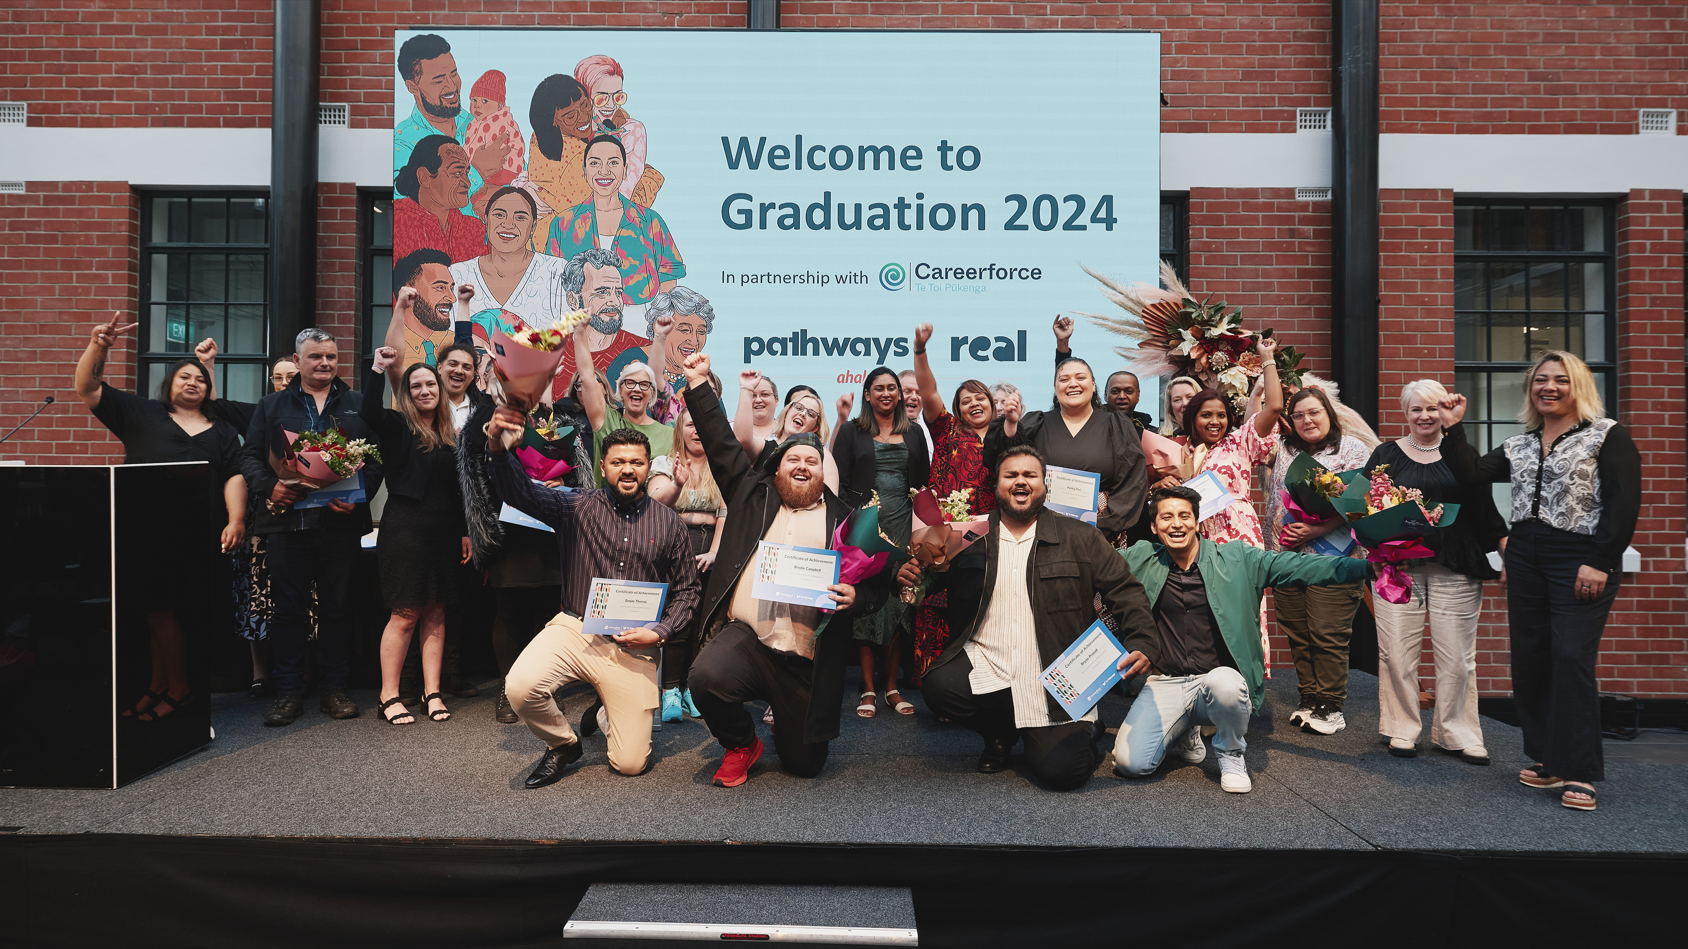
pixel 1451 604
pixel 625 681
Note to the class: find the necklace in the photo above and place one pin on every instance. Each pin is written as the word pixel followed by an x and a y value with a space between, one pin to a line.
pixel 1427 449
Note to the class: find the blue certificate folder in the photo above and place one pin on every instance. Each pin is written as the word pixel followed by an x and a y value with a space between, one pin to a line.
pixel 1073 492
pixel 800 575
pixel 616 606
pixel 1079 677
pixel 349 490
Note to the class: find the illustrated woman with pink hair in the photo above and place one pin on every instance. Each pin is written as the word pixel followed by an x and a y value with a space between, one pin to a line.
pixel 603 80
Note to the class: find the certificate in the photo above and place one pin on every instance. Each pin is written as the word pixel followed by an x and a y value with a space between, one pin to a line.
pixel 1214 496
pixel 1079 677
pixel 799 575
pixel 616 606
pixel 349 490
pixel 1073 492
pixel 1337 543
pixel 510 515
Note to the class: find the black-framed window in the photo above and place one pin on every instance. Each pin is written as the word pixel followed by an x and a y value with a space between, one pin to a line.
pixel 1530 275
pixel 204 271
pixel 1174 233
pixel 375 291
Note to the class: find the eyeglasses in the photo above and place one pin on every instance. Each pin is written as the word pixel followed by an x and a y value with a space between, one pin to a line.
pixel 800 412
pixel 637 385
pixel 601 99
pixel 1304 416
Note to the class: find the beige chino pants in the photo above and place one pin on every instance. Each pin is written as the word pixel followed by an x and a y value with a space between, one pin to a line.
pixel 625 682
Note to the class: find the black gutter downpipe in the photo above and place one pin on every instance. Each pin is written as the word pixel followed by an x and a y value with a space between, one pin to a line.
pixel 763 15
pixel 1354 200
pixel 294 88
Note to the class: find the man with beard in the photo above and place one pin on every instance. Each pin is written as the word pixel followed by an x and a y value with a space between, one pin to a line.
pixel 617 533
pixel 1042 573
pixel 422 317
pixel 429 73
pixel 592 281
pixel 792 657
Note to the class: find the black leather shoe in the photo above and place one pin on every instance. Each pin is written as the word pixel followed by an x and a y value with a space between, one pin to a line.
pixel 995 756
pixel 286 708
pixel 589 720
pixel 502 712
pixel 551 765
pixel 335 704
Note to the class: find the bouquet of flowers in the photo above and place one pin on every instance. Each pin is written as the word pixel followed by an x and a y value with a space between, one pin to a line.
pixel 1308 489
pixel 316 460
pixel 1176 334
pixel 543 451
pixel 526 359
pixel 1388 521
pixel 943 528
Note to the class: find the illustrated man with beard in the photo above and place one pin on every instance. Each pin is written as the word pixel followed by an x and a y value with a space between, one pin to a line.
pixel 617 533
pixel 1043 572
pixel 757 649
pixel 592 282
pixel 427 318
pixel 429 73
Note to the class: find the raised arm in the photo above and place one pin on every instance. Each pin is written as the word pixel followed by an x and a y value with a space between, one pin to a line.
pixel 1463 461
pixel 592 395
pixel 727 460
pixel 931 401
pixel 389 426
pixel 744 423
pixel 552 508
pixel 1266 421
pixel 1063 337
pixel 90 369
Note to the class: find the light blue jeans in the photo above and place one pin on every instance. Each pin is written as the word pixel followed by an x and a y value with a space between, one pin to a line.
pixel 1169 706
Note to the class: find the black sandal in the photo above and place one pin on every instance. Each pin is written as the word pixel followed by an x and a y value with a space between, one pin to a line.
pixel 175 705
pixel 1570 789
pixel 137 711
pixel 438 715
pixel 404 713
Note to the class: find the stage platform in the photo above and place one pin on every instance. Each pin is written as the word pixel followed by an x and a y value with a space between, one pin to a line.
pixel 899 804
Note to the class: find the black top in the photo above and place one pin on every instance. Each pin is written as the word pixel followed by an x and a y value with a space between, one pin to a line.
pixel 1189 635
pixel 852 452
pixel 1108 444
pixel 1464 545
pixel 294 410
pixel 150 436
pixel 404 461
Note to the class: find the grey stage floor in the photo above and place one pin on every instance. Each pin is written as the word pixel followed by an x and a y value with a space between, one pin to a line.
pixel 890 780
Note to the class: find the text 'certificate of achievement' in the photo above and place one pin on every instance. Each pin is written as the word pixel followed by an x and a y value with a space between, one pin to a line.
pixel 1079 677
pixel 1214 496
pixel 349 490
pixel 1073 492
pixel 616 606
pixel 800 575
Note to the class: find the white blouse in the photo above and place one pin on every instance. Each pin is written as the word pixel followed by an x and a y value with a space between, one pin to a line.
pixel 538 297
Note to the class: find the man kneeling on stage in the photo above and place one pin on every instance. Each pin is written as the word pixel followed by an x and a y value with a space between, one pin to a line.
pixel 616 533
pixel 1211 669
pixel 759 649
pixel 1043 572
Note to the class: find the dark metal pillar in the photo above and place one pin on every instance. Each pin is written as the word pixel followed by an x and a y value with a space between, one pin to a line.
pixel 763 15
pixel 1354 212
pixel 293 171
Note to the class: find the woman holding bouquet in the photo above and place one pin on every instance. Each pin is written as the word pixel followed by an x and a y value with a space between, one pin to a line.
pixel 423 533
pixel 1576 495
pixel 682 480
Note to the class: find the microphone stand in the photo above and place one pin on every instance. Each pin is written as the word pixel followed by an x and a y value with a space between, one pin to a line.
pixel 49 400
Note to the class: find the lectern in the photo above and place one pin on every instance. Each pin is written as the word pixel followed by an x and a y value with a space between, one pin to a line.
pixel 105 592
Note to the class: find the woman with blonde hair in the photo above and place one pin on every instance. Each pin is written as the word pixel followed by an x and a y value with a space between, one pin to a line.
pixel 1576 495
pixel 682 480
pixel 1179 392
pixel 802 413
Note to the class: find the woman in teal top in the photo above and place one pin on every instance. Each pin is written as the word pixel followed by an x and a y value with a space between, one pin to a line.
pixel 650 263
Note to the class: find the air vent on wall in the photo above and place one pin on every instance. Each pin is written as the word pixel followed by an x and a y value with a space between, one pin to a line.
pixel 11 187
pixel 1312 120
pixel 1312 194
pixel 14 113
pixel 1658 121
pixel 332 113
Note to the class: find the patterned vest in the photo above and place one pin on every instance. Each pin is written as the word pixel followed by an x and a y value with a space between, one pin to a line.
pixel 1563 489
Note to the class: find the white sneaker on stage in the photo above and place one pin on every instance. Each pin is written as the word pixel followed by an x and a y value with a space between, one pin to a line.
pixel 1324 720
pixel 1190 747
pixel 1233 773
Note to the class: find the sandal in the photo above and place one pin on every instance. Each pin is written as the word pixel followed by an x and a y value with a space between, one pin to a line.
pixel 865 709
pixel 404 713
pixel 438 714
pixel 1577 805
pixel 148 699
pixel 174 705
pixel 1536 776
pixel 902 707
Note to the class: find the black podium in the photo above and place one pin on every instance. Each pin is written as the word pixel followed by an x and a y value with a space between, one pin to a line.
pixel 106 589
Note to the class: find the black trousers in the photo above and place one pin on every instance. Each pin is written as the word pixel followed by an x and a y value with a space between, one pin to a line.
pixel 521 613
pixel 734 668
pixel 296 559
pixel 1062 757
pixel 1555 644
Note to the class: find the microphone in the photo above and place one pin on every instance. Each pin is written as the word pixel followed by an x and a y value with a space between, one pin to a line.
pixel 49 400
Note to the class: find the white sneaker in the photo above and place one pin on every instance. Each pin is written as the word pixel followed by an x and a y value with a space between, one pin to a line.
pixel 1190 747
pixel 1303 710
pixel 1324 720
pixel 1233 773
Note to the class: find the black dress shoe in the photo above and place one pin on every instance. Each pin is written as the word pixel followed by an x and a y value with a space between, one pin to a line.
pixel 286 708
pixel 502 712
pixel 551 765
pixel 995 756
pixel 589 720
pixel 335 704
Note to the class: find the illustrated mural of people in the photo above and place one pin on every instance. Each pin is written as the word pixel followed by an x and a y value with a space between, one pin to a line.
pixel 430 75
pixel 561 116
pixel 434 184
pixel 592 281
pixel 650 262
pixel 602 77
pixel 427 327
pixel 694 319
pixel 493 124
pixel 511 275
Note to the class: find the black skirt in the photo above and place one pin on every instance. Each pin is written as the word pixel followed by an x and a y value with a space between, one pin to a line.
pixel 420 547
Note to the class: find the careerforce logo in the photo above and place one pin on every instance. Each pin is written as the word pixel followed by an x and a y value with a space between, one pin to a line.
pixel 893 277
pixel 896 276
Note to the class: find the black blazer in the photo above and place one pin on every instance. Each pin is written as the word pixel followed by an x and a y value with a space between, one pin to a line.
pixel 751 498
pixel 284 410
pixel 400 445
pixel 852 453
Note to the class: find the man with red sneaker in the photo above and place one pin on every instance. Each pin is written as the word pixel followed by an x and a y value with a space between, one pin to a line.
pixel 757 649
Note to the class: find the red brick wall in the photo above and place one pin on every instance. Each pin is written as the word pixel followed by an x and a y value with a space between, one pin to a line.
pixel 1415 331
pixel 340 272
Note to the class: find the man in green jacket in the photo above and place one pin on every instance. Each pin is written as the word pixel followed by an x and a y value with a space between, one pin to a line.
pixel 1210 671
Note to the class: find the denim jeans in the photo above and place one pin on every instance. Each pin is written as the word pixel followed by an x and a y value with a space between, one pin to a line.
pixel 1169 705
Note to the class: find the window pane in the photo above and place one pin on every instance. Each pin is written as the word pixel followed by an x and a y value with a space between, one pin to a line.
pixel 203 321
pixel 381 278
pixel 1510 229
pixel 159 283
pixel 1475 389
pixel 208 278
pixel 1506 286
pixel 210 221
pixel 1471 343
pixel 169 220
pixel 247 224
pixel 244 381
pixel 1507 337
pixel 1167 220
pixel 246 329
pixel 381 229
pixel 176 279
pixel 1593 228
pixel 1594 338
pixel 158 323
pixel 246 278
pixel 1468 286
pixel 1547 331
pixel 175 329
pixel 1506 395
pixel 153 376
pixel 1547 228
pixel 379 317
pixel 1547 286
pixel 1588 287
pixel 1465 228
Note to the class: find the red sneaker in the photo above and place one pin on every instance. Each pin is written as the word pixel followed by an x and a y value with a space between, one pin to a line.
pixel 735 767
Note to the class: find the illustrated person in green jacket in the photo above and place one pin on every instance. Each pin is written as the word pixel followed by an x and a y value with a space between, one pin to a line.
pixel 1210 671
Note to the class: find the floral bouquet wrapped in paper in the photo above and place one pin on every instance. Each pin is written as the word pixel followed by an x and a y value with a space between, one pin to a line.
pixel 943 528
pixel 316 460
pixel 543 451
pixel 526 359
pixel 1308 489
pixel 1388 520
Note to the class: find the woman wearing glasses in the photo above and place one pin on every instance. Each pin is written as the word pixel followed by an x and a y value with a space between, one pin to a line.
pixel 802 413
pixel 602 77
pixel 630 406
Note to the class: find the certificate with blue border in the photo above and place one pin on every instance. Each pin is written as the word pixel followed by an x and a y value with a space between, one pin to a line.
pixel 1079 677
pixel 349 490
pixel 797 575
pixel 616 606
pixel 1073 492
pixel 1215 497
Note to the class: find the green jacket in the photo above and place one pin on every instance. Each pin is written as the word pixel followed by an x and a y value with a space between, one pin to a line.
pixel 1236 575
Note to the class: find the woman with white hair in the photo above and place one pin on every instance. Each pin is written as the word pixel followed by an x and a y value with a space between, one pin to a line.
pixel 1576 495
pixel 1447 590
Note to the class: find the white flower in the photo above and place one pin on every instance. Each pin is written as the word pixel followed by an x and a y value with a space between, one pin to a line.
pixel 1188 344
pixel 1234 381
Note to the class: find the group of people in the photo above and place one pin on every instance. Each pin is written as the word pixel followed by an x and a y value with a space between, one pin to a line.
pixel 650 481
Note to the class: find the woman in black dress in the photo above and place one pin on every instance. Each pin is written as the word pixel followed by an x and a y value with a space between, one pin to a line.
pixel 423 532
pixel 179 425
